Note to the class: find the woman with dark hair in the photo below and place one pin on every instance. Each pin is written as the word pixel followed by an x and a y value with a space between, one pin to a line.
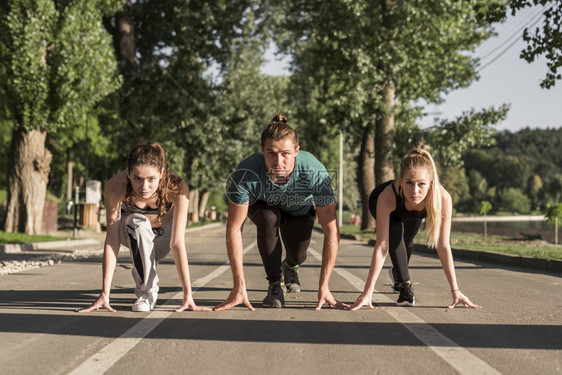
pixel 399 207
pixel 146 207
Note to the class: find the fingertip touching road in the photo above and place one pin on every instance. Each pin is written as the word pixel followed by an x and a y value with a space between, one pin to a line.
pixel 518 330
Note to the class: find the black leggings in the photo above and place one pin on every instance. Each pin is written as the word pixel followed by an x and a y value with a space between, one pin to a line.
pixel 401 238
pixel 295 233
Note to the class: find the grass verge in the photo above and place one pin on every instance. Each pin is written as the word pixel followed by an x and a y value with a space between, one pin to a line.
pixel 13 238
pixel 474 241
pixel 19 238
pixel 502 244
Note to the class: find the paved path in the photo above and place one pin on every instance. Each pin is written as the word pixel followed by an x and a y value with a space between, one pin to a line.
pixel 493 218
pixel 519 330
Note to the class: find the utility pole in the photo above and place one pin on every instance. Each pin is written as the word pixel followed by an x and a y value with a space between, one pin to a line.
pixel 340 183
pixel 76 199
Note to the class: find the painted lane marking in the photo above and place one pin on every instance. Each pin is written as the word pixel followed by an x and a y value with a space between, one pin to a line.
pixel 107 356
pixel 463 361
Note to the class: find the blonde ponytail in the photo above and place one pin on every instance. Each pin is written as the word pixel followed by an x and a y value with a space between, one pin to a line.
pixel 419 158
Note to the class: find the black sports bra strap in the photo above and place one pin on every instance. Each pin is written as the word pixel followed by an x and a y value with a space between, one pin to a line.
pixel 394 190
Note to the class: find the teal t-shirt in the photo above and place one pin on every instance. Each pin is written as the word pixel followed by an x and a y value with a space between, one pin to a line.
pixel 308 184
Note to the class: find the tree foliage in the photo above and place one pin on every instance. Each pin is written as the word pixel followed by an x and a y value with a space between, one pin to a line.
pixel 545 40
pixel 527 160
pixel 57 63
pixel 485 207
pixel 554 213
pixel 193 82
pixel 176 93
pixel 471 129
pixel 514 200
pixel 365 62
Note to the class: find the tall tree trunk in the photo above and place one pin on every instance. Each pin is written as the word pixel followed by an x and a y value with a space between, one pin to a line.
pixel 28 171
pixel 194 205
pixel 384 139
pixel 366 177
pixel 203 199
pixel 122 28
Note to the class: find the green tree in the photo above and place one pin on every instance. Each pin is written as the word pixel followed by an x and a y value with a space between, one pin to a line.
pixel 478 186
pixel 554 215
pixel 485 207
pixel 481 161
pixel 184 64
pixel 551 189
pixel 513 200
pixel 455 181
pixel 5 135
pixel 534 185
pixel 80 153
pixel 368 60
pixel 58 64
pixel 527 159
pixel 510 171
pixel 450 139
pixel 544 40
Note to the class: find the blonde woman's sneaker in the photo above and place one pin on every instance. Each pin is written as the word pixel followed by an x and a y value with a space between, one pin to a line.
pixel 145 302
pixel 406 297
pixel 291 277
pixel 275 296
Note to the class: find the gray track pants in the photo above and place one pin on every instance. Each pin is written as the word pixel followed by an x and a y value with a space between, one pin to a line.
pixel 148 246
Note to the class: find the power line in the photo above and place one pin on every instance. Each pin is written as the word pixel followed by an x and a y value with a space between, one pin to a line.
pixel 507 48
pixel 514 34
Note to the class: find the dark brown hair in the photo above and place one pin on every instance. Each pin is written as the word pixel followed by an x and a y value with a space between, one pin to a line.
pixel 152 153
pixel 279 129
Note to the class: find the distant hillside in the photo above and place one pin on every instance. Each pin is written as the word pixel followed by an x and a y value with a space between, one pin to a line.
pixel 521 172
pixel 541 148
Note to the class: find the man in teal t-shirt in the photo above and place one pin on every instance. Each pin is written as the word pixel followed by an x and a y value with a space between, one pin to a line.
pixel 281 189
pixel 308 184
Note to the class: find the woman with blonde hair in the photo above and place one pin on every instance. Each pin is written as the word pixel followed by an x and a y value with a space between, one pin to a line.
pixel 399 206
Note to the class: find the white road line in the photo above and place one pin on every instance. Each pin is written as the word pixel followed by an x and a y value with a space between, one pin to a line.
pixel 459 358
pixel 106 357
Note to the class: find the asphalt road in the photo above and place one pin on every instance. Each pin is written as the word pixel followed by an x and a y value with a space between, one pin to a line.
pixel 518 330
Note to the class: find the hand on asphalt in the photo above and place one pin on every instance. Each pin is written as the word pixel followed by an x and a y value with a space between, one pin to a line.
pixel 102 301
pixel 363 300
pixel 458 298
pixel 236 297
pixel 189 304
pixel 327 297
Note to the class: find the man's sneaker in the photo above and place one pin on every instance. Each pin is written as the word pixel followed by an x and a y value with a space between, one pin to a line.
pixel 291 276
pixel 395 284
pixel 145 302
pixel 406 297
pixel 275 296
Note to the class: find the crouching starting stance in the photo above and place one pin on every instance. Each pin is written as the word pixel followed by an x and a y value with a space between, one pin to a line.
pixel 146 208
pixel 399 207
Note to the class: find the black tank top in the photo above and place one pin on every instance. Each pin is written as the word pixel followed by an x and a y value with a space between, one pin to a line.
pixel 400 211
pixel 126 209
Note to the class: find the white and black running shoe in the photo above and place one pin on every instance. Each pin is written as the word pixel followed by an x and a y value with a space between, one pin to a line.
pixel 406 297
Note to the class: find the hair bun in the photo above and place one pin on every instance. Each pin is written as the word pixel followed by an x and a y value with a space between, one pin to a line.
pixel 280 118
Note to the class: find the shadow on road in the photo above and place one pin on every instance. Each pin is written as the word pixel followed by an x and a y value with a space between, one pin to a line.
pixel 192 326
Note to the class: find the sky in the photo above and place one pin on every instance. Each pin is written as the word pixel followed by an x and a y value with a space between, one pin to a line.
pixel 504 78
